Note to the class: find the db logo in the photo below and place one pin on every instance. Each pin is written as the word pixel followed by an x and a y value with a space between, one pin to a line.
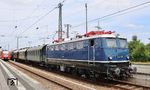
pixel 12 81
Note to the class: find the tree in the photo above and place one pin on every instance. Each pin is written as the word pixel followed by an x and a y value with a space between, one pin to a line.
pixel 147 52
pixel 137 50
pixel 132 45
pixel 138 53
pixel 134 38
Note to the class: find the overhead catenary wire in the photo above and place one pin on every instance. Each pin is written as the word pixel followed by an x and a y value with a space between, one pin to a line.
pixel 22 19
pixel 120 14
pixel 35 9
pixel 81 10
pixel 41 18
pixel 28 17
pixel 38 20
pixel 111 14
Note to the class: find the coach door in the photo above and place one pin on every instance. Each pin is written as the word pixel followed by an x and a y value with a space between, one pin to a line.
pixel 91 51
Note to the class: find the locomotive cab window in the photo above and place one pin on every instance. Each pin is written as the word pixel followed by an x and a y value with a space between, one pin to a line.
pixel 92 42
pixel 123 43
pixel 111 42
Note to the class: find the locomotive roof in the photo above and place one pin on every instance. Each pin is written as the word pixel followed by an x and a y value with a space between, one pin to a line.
pixel 91 37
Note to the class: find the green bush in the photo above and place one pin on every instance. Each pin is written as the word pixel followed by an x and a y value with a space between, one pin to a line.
pixel 138 51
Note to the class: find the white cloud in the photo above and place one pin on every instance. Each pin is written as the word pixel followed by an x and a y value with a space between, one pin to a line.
pixel 25 1
pixel 16 1
pixel 134 26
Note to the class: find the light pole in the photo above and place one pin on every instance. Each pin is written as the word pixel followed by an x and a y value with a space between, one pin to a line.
pixel 68 27
pixel 17 42
pixel 17 37
pixel 86 18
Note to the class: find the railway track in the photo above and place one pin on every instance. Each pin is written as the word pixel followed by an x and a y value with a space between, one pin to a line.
pixel 143 73
pixel 30 70
pixel 68 85
pixel 129 86
pixel 110 85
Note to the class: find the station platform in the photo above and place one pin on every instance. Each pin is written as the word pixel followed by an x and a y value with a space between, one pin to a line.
pixel 13 79
pixel 143 68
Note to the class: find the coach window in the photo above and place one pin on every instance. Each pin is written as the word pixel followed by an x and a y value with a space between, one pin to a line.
pixel 63 47
pixel 66 46
pixel 92 42
pixel 48 48
pixel 74 45
pixel 60 47
pixel 56 47
pixel 79 45
pixel 52 48
pixel 70 46
pixel 85 43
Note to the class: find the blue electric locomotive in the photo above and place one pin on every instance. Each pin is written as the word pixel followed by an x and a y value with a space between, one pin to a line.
pixel 102 54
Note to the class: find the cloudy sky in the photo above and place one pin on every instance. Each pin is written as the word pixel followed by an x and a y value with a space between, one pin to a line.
pixel 20 18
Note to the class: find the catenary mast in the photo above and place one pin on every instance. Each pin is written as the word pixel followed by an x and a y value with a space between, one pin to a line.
pixel 60 22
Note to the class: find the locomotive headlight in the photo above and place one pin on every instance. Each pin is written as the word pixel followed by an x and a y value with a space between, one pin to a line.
pixel 128 57
pixel 109 58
